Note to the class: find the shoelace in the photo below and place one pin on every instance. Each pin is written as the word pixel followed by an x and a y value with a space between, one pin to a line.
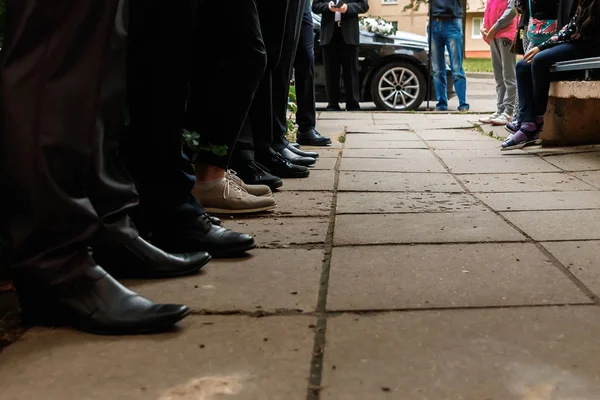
pixel 232 185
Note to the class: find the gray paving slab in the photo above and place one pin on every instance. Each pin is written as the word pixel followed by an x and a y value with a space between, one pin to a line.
pixel 478 153
pixel 377 128
pixel 542 200
pixel 356 138
pixel 581 258
pixel 423 228
pixel 393 152
pixel 465 144
pixel 324 151
pixel 432 276
pixel 415 161
pixel 557 225
pixel 381 144
pixel 452 134
pixel 441 124
pixel 324 164
pixel 278 232
pixel 496 165
pixel 303 204
pixel 398 182
pixel 576 162
pixel 251 358
pixel 523 182
pixel 503 354
pixel 288 280
pixel 591 177
pixel 554 150
pixel 317 180
pixel 410 202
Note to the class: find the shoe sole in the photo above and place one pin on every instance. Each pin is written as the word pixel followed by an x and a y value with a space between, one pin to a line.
pixel 232 252
pixel 244 211
pixel 319 144
pixel 522 144
pixel 295 175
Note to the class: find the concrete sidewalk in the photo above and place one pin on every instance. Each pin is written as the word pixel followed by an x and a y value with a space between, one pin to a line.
pixel 418 261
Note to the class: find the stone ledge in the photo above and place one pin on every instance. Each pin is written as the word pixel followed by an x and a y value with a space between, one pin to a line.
pixel 573 114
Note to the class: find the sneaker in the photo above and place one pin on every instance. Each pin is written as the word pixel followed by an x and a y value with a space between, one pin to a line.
pixel 501 119
pixel 255 190
pixel 227 197
pixel 489 118
pixel 513 126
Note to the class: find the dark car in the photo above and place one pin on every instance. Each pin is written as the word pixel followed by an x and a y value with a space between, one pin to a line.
pixel 392 70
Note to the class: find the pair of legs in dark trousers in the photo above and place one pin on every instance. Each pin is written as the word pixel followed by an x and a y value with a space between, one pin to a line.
pixel 159 60
pixel 304 73
pixel 223 87
pixel 533 80
pixel 336 55
pixel 256 137
pixel 61 113
pixel 62 193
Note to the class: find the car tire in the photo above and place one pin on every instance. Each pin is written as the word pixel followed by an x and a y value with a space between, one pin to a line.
pixel 398 86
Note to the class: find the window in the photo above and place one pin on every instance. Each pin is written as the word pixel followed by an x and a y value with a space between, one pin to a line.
pixel 476 34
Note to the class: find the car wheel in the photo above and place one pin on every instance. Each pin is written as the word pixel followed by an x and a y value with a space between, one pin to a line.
pixel 398 86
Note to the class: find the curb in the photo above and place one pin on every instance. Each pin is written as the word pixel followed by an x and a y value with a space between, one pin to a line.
pixel 480 75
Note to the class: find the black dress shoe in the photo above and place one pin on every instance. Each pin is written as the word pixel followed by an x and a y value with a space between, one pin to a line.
pixel 202 235
pixel 302 153
pixel 141 260
pixel 296 159
pixel 280 166
pixel 96 303
pixel 252 173
pixel 296 145
pixel 333 107
pixel 312 138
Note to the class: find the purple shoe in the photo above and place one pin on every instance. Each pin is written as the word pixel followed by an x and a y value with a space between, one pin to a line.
pixel 520 139
pixel 512 127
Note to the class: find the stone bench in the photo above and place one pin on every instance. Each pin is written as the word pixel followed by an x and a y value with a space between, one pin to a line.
pixel 573 114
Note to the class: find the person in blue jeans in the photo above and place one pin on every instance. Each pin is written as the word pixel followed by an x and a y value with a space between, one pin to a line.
pixel 446 33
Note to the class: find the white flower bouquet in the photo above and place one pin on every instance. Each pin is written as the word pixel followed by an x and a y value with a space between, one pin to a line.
pixel 377 25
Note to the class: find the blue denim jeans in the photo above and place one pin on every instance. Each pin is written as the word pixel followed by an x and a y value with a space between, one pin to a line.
pixel 447 34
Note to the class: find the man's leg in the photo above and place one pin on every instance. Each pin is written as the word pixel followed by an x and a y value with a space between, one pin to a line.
pixel 438 63
pixel 159 60
pixel 350 73
pixel 304 77
pixel 283 74
pixel 304 74
pixel 332 64
pixel 51 101
pixel 454 43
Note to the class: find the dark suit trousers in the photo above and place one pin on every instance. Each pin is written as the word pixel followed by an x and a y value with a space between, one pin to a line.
pixel 338 54
pixel 225 74
pixel 60 177
pixel 304 74
pixel 257 132
pixel 283 73
pixel 159 65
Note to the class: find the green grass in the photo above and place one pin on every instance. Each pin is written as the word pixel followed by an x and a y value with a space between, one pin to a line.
pixel 477 64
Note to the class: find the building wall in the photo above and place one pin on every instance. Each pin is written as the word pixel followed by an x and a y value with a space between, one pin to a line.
pixel 415 21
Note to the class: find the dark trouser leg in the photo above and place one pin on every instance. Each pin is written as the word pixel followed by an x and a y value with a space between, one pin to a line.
pixel 350 70
pixel 272 16
pixel 525 90
pixel 283 74
pixel 331 62
pixel 111 188
pixel 224 93
pixel 304 70
pixel 53 63
pixel 540 69
pixel 159 59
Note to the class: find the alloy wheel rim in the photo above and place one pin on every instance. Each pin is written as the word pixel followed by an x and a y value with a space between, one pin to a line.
pixel 399 88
